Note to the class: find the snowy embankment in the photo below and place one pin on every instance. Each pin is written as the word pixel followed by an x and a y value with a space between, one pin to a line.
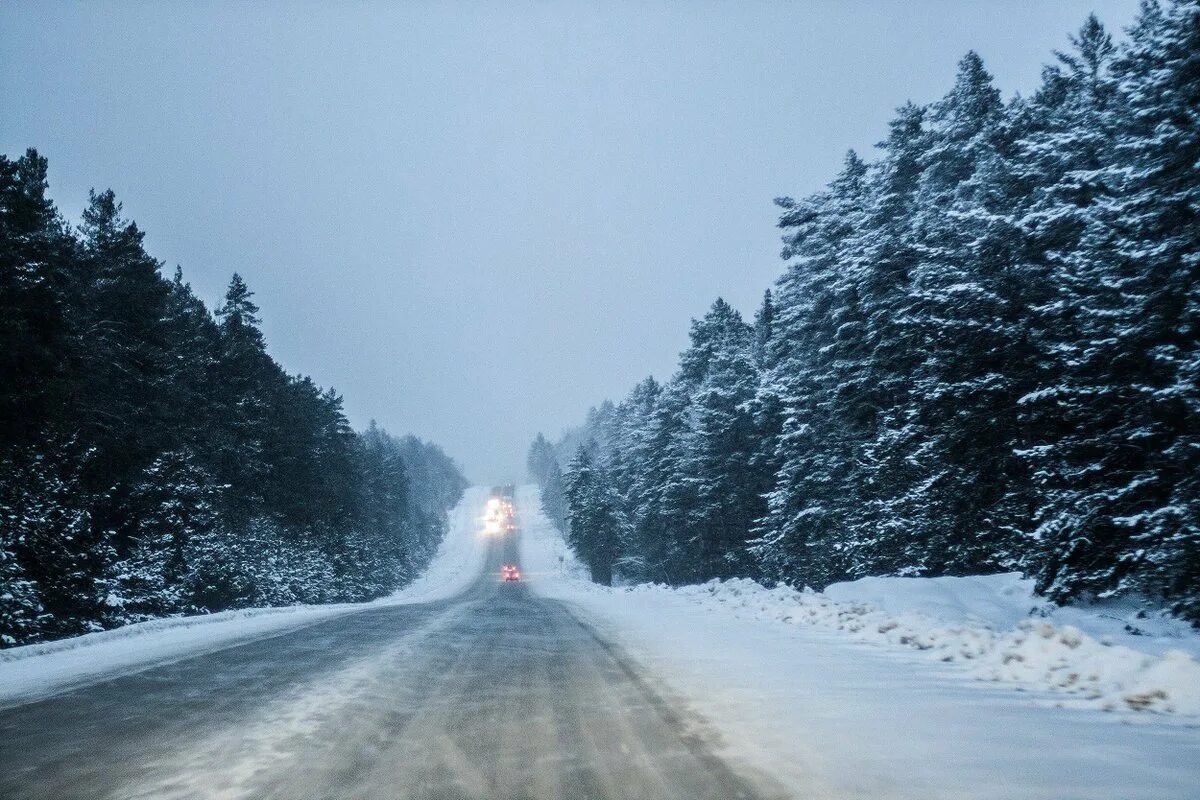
pixel 38 670
pixel 872 689
pixel 997 631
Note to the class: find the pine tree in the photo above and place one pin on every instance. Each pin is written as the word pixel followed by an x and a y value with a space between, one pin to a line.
pixel 60 551
pixel 188 403
pixel 719 370
pixel 664 490
pixel 964 317
pixel 806 507
pixel 176 503
pixel 594 528
pixel 543 468
pixel 882 256
pixel 541 454
pixel 245 378
pixel 1061 157
pixel 36 254
pixel 155 460
pixel 123 345
pixel 630 460
pixel 1125 474
pixel 20 608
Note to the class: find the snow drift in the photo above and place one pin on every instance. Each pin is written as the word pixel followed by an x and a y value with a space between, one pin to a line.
pixel 996 629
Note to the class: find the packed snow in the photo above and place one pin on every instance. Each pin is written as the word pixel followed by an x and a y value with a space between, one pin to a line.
pixel 952 687
pixel 38 670
pixel 994 628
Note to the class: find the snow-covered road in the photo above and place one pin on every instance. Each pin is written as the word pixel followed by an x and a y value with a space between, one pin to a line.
pixel 465 687
pixel 489 693
pixel 44 669
pixel 833 716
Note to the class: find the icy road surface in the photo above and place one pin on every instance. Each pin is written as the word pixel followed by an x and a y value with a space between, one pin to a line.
pixel 493 693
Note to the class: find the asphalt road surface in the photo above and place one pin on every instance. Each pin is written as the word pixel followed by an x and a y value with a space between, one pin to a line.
pixel 494 694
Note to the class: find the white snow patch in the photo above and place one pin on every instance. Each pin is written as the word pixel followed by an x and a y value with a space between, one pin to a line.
pixel 38 670
pixel 992 627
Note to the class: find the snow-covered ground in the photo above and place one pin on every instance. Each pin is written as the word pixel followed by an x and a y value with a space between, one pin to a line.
pixel 994 628
pixel 908 688
pixel 40 669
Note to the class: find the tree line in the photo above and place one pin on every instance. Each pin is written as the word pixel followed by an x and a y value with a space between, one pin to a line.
pixel 982 356
pixel 154 458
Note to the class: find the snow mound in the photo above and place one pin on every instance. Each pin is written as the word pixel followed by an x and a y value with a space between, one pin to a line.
pixel 992 600
pixel 993 626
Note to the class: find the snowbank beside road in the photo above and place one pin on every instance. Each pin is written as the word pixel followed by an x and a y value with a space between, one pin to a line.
pixel 38 670
pixel 1006 601
pixel 993 626
pixel 459 559
pixel 836 712
pixel 978 623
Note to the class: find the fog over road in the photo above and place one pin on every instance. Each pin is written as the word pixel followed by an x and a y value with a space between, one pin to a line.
pixel 496 693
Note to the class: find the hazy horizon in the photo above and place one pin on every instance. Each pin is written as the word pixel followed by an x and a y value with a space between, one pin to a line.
pixel 476 222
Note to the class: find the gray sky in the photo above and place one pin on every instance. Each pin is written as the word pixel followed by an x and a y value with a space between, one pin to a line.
pixel 476 220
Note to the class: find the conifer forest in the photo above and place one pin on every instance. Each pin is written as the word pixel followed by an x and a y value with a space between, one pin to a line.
pixel 982 356
pixel 377 459
pixel 155 460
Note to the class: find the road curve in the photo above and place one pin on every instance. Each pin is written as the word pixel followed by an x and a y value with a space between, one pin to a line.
pixel 494 694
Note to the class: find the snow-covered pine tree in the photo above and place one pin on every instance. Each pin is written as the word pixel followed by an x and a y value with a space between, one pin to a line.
pixel 664 489
pixel 882 255
pixel 553 496
pixel 544 469
pixel 594 527
pixel 717 448
pixel 1062 157
pixel 541 454
pixel 766 408
pixel 120 320
pixel 802 533
pixel 61 552
pixel 244 377
pixel 37 286
pixel 640 559
pixel 1128 513
pixel 965 318
pixel 173 501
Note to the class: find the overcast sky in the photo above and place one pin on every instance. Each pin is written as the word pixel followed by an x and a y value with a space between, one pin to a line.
pixel 475 220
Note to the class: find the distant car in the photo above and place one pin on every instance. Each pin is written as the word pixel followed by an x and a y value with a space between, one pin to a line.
pixel 510 573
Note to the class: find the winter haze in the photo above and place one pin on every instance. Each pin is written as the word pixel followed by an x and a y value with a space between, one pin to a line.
pixel 473 221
